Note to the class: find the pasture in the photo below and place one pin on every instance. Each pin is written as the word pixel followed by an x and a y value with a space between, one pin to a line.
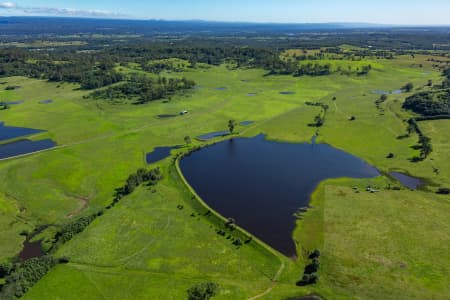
pixel 147 248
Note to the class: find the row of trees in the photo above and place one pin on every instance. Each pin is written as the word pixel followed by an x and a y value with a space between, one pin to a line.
pixel 424 142
pixel 69 230
pixel 310 273
pixel 446 82
pixel 144 89
pixel 319 119
pixel 281 67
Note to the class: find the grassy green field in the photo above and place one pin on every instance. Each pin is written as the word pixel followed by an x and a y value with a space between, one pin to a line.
pixel 389 245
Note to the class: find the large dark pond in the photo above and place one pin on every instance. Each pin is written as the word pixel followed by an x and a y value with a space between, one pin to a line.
pixel 10 132
pixel 24 146
pixel 261 183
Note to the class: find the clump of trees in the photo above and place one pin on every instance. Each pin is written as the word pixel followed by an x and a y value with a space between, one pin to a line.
pixel 280 67
pixel 310 273
pixel 143 89
pixel 141 176
pixel 90 70
pixel 203 291
pixel 159 66
pixel 4 106
pixel 23 276
pixel 430 103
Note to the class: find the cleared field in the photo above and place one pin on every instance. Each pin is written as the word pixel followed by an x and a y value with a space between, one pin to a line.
pixel 378 246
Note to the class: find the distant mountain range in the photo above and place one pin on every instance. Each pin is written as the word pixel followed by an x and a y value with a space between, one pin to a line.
pixel 58 25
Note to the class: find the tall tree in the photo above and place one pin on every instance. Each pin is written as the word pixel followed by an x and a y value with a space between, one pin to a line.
pixel 231 125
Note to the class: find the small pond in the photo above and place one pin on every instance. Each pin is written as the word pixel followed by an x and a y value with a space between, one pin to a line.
pixel 10 132
pixel 406 180
pixel 14 102
pixel 261 184
pixel 166 116
pixel 48 101
pixel 251 94
pixel 221 89
pixel 246 123
pixel 159 153
pixel 394 92
pixel 31 250
pixel 287 93
pixel 24 147
pixel 211 135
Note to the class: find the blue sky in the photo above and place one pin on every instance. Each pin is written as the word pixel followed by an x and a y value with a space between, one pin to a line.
pixel 412 12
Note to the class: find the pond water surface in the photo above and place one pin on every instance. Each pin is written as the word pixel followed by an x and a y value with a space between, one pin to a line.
pixel 31 249
pixel 406 180
pixel 394 92
pixel 261 183
pixel 46 101
pixel 14 102
pixel 10 132
pixel 211 135
pixel 159 153
pixel 246 123
pixel 24 147
pixel 166 116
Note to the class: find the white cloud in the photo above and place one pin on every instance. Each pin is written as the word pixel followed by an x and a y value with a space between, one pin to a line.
pixel 70 12
pixel 53 11
pixel 8 5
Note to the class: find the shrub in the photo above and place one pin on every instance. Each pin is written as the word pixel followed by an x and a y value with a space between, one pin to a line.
pixel 443 191
pixel 313 267
pixel 203 291
pixel 315 254
pixel 237 242
pixel 308 279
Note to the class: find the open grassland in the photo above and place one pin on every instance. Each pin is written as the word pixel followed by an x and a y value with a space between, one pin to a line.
pixel 439 132
pixel 146 248
pixel 386 245
pixel 148 238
